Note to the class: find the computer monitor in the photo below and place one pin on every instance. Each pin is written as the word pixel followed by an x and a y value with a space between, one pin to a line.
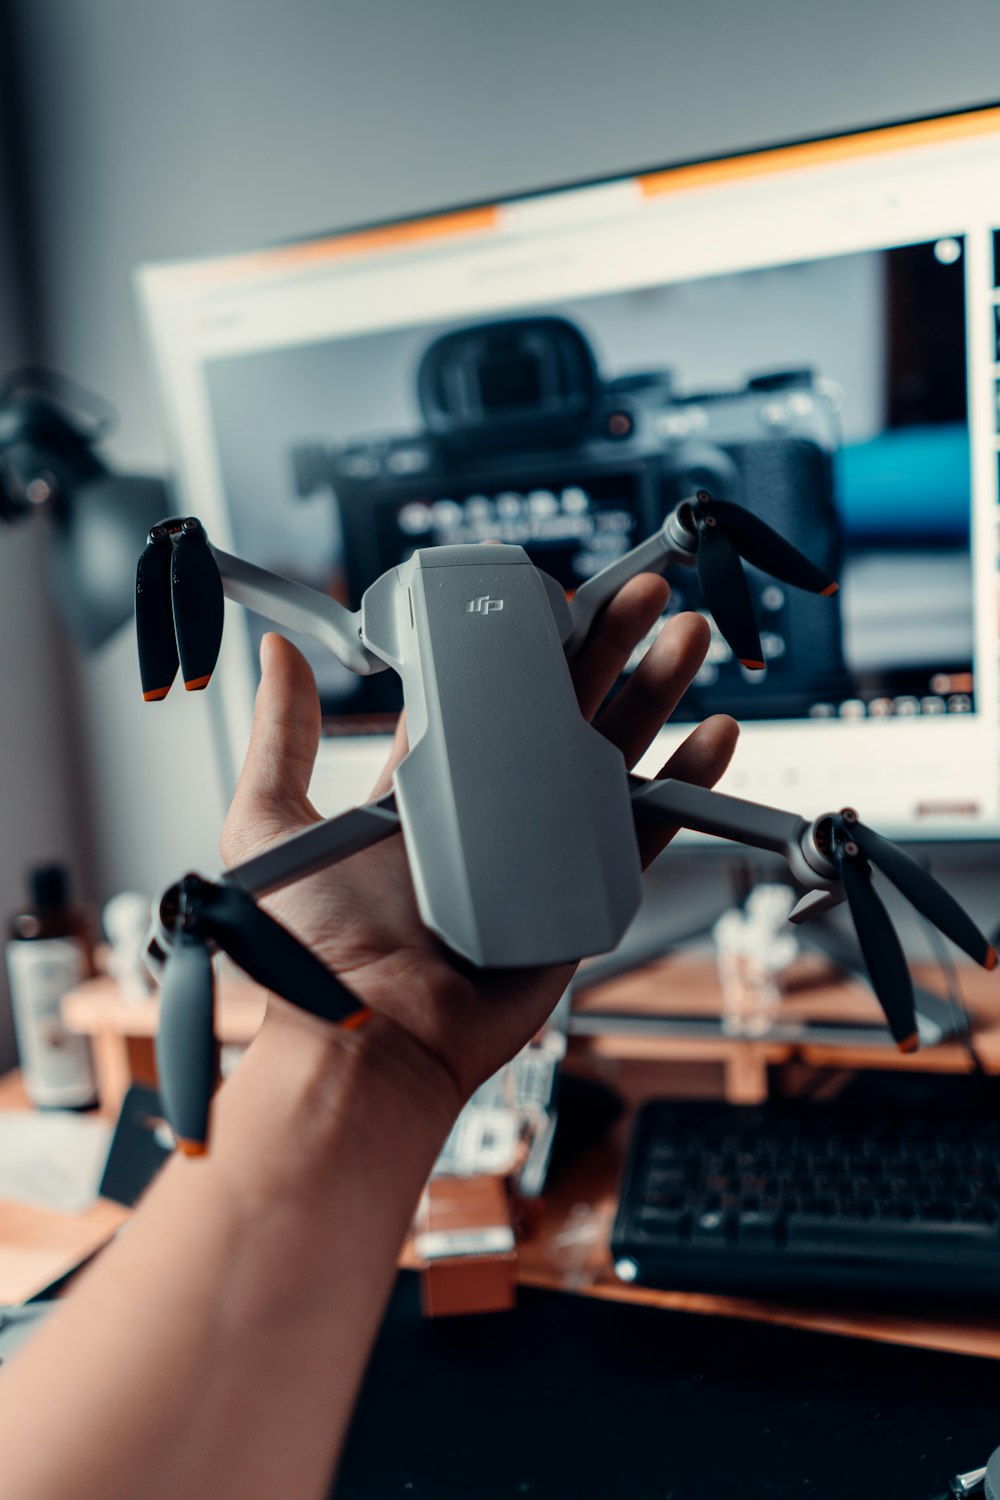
pixel 811 330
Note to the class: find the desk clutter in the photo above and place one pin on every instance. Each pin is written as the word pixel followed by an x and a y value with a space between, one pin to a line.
pixel 538 1184
pixel 52 1160
pixel 552 1194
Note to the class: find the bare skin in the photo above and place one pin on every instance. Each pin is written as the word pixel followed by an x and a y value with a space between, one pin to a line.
pixel 216 1349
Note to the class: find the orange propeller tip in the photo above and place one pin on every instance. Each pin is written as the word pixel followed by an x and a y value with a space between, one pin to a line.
pixel 155 695
pixel 831 588
pixel 990 961
pixel 191 1148
pixel 909 1043
pixel 357 1019
pixel 754 666
pixel 197 683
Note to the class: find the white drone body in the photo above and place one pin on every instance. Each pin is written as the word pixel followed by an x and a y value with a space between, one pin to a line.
pixel 514 809
pixel 516 813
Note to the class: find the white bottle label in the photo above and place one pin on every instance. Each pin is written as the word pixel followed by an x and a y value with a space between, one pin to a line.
pixel 55 1063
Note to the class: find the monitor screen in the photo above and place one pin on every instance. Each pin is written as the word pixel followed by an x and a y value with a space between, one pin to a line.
pixel 811 331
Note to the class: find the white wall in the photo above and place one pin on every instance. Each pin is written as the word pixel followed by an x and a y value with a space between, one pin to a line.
pixel 202 125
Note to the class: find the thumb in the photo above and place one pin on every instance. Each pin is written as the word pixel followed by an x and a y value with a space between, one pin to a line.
pixel 272 796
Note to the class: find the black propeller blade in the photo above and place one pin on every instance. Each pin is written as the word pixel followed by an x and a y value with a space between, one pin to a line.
pixel 854 849
pixel 185 1043
pixel 179 608
pixel 726 534
pixel 883 954
pixel 154 621
pixel 203 915
pixel 922 891
pixel 727 596
pixel 764 548
pixel 269 953
pixel 198 604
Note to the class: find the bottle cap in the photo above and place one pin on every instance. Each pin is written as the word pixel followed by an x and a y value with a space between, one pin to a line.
pixel 49 886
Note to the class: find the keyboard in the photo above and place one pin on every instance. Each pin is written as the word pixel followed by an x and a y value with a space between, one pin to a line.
pixel 812 1202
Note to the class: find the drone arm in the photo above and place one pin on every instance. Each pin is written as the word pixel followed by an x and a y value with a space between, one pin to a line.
pixel 297 607
pixel 673 543
pixel 316 848
pixel 680 804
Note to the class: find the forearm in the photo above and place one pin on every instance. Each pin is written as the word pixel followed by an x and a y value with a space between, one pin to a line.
pixel 216 1349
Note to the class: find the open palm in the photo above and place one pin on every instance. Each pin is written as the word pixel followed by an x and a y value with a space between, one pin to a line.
pixel 361 916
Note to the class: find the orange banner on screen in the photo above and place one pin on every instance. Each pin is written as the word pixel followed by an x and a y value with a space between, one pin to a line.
pixel 407 234
pixel 817 153
pixel 385 237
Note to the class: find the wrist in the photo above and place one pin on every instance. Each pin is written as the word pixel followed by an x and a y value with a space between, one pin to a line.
pixel 306 1093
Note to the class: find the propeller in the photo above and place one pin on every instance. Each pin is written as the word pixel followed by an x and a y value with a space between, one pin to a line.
pixel 724 584
pixel 766 549
pixel 854 849
pixel 726 534
pixel 199 916
pixel 197 598
pixel 185 1043
pixel 922 891
pixel 154 624
pixel 179 608
pixel 880 947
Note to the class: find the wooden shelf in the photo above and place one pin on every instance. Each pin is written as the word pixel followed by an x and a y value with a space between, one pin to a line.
pixel 687 985
pixel 98 1005
pixel 123 1030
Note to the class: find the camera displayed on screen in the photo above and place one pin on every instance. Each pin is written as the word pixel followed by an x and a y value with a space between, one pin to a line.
pixel 525 443
pixel 827 397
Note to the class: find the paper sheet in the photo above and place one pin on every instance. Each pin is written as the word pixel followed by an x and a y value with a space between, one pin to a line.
pixel 53 1159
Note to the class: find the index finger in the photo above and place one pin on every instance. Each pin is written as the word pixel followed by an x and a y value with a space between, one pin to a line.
pixel 613 637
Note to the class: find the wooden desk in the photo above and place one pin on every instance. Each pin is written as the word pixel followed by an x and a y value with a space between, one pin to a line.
pixel 567 1250
pixel 38 1245
pixel 558 1253
pixel 554 1256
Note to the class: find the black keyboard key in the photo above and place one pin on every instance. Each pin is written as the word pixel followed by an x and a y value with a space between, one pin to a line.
pixel 666 1225
pixel 710 1229
pixel 758 1229
pixel 660 1178
pixel 817 1234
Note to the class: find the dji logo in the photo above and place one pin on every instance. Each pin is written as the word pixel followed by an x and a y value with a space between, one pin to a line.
pixel 484 605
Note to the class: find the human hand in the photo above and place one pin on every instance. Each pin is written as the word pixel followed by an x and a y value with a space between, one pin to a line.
pixel 361 916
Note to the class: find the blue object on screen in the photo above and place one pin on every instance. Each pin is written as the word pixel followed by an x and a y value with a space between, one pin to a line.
pixel 910 482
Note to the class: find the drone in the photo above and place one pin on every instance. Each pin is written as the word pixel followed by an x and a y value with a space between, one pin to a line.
pixel 520 821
